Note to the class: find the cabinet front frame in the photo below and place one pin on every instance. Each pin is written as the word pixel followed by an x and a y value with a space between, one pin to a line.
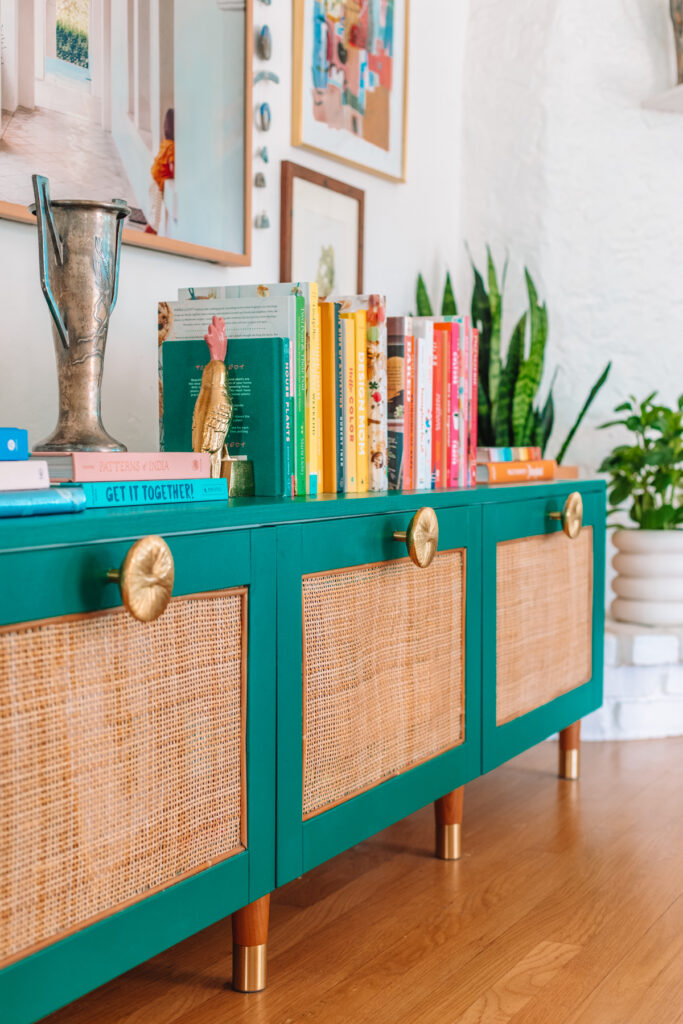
pixel 514 521
pixel 71 581
pixel 305 549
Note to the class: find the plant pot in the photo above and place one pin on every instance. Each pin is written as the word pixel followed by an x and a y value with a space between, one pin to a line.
pixel 649 581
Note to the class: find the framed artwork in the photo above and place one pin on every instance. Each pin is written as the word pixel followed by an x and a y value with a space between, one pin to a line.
pixel 349 87
pixel 321 231
pixel 144 101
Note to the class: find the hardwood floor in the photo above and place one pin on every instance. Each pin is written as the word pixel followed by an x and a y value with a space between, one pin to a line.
pixel 566 908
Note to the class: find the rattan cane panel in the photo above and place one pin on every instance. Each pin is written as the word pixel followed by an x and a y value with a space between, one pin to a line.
pixel 383 673
pixel 121 760
pixel 543 620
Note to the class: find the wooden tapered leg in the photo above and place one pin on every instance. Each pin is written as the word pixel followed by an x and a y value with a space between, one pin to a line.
pixel 448 814
pixel 249 945
pixel 570 745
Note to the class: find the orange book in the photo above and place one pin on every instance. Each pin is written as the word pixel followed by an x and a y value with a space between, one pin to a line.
pixel 516 472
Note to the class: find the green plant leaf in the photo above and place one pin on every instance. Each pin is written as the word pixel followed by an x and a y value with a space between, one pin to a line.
pixel 496 306
pixel 531 371
pixel 423 305
pixel 480 309
pixel 586 406
pixel 546 422
pixel 485 435
pixel 508 378
pixel 449 306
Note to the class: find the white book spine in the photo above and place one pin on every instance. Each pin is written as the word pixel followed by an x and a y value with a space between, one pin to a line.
pixel 24 476
pixel 423 407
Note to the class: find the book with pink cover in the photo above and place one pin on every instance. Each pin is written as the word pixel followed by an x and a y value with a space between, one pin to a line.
pixel 86 467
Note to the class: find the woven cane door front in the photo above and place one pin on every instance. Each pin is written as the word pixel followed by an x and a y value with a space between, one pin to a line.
pixel 542 621
pixel 378 678
pixel 384 683
pixel 123 760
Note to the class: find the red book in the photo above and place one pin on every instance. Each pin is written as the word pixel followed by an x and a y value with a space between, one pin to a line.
pixel 454 425
pixel 409 416
pixel 438 479
pixel 89 467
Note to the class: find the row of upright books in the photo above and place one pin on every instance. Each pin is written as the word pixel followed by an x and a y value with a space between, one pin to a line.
pixel 328 397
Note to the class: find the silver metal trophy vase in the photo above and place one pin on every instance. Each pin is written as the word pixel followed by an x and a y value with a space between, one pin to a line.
pixel 79 244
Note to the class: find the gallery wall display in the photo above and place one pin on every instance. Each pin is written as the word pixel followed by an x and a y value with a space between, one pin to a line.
pixel 349 87
pixel 151 103
pixel 321 231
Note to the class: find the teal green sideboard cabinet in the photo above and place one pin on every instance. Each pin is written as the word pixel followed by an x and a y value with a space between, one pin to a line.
pixel 323 668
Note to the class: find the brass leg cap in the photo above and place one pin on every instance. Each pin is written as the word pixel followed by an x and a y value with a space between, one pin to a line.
pixel 249 968
pixel 569 764
pixel 449 842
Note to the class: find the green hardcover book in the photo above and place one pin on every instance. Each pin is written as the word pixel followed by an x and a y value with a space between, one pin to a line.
pixel 259 373
pixel 277 316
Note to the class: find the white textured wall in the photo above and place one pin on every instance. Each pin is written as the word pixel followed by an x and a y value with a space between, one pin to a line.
pixel 408 227
pixel 566 172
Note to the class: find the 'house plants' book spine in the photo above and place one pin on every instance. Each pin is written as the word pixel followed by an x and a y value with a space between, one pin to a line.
pixel 258 373
pixel 349 354
pixel 424 345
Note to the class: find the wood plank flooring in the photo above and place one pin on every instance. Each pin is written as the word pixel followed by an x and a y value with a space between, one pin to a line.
pixel 566 908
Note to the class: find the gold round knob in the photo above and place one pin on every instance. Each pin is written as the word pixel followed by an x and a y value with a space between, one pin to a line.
pixel 145 578
pixel 422 537
pixel 571 515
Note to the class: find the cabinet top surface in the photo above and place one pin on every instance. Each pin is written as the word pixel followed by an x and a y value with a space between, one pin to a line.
pixel 246 513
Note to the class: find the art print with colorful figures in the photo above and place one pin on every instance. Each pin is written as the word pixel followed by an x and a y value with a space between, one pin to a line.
pixel 350 68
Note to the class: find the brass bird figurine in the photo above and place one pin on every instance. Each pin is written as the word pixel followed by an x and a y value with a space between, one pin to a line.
pixel 213 409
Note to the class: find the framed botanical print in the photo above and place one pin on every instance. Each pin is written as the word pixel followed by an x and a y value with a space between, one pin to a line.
pixel 349 87
pixel 321 231
pixel 144 101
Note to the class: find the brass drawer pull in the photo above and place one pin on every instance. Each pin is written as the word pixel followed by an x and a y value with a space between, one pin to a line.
pixel 422 537
pixel 145 578
pixel 571 515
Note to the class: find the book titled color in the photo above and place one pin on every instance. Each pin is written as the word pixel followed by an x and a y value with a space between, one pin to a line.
pixel 516 472
pixel 84 467
pixel 153 492
pixel 13 444
pixel 43 502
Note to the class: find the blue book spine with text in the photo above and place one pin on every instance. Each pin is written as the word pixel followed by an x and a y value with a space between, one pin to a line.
pixel 13 444
pixel 44 502
pixel 153 492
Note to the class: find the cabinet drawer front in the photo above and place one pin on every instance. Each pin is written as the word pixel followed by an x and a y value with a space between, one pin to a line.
pixel 544 616
pixel 383 673
pixel 122 752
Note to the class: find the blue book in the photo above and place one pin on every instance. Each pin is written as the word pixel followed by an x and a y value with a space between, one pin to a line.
pixel 45 502
pixel 153 492
pixel 13 444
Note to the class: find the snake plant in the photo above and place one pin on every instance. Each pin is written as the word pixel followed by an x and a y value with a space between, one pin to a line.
pixel 509 413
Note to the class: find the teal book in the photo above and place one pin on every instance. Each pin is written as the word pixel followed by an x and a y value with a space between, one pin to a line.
pixel 44 502
pixel 13 444
pixel 153 492
pixel 259 375
pixel 281 316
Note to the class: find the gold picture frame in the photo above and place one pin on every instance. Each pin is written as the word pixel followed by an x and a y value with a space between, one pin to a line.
pixel 300 64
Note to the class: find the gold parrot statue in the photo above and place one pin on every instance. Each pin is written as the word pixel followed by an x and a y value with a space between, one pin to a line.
pixel 213 409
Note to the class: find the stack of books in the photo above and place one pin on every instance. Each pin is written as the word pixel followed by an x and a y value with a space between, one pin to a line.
pixel 513 465
pixel 328 397
pixel 25 482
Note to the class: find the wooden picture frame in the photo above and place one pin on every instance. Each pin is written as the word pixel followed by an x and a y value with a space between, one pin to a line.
pixel 290 172
pixel 160 243
pixel 343 145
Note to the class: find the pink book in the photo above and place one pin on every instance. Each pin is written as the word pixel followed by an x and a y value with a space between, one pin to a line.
pixel 474 406
pixel 464 400
pixel 87 467
pixel 454 421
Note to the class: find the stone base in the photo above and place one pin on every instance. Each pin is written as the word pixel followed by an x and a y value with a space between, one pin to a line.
pixel 643 684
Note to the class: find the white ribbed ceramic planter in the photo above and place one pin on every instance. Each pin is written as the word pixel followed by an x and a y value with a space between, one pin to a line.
pixel 649 584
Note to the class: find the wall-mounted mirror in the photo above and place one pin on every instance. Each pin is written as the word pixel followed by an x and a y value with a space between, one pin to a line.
pixel 146 100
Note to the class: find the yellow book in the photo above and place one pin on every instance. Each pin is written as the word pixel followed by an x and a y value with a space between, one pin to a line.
pixel 313 387
pixel 329 419
pixel 361 401
pixel 349 358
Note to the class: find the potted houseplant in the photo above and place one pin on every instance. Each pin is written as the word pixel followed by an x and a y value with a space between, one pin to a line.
pixel 646 483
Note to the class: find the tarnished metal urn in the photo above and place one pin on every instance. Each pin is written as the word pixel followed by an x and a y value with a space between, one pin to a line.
pixel 79 244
